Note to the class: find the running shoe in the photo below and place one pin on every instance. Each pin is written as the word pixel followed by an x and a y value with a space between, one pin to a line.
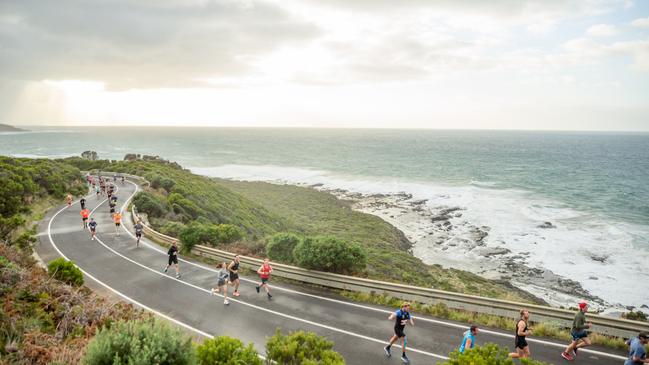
pixel 257 288
pixel 226 302
pixel 269 296
pixel 405 359
pixel 177 276
pixel 236 294
pixel 387 351
pixel 165 270
pixel 567 356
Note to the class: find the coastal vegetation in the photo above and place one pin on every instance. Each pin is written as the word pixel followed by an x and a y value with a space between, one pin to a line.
pixel 485 355
pixel 254 212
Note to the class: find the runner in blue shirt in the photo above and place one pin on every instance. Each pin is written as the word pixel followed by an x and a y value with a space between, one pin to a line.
pixel 469 339
pixel 637 352
pixel 401 318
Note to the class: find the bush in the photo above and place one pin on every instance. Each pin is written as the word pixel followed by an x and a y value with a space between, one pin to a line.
pixel 66 271
pixel 486 355
pixel 149 204
pixel 140 342
pixel 172 229
pixel 211 234
pixel 635 316
pixel 330 254
pixel 158 182
pixel 302 348
pixel 184 207
pixel 228 351
pixel 281 245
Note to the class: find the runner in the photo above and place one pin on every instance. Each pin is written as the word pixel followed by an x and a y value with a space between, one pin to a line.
pixel 123 179
pixel 83 203
pixel 264 274
pixel 578 332
pixel 469 339
pixel 222 284
pixel 93 228
pixel 520 343
pixel 68 199
pixel 111 205
pixel 637 352
pixel 98 191
pixel 138 232
pixel 173 258
pixel 117 218
pixel 233 268
pixel 401 317
pixel 85 213
pixel 114 198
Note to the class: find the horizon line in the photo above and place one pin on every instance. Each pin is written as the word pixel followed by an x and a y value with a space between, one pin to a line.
pixel 325 127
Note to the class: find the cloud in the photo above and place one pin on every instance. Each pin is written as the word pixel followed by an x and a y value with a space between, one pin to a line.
pixel 641 22
pixel 602 30
pixel 134 44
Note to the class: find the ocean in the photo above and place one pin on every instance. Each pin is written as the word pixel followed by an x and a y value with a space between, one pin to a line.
pixel 593 188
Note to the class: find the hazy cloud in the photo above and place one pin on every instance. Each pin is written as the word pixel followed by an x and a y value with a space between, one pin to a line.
pixel 641 23
pixel 136 44
pixel 602 30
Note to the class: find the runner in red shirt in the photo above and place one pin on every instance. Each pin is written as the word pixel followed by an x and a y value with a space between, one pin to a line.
pixel 85 213
pixel 264 273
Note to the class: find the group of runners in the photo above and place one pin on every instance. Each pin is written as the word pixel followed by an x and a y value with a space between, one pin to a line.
pixel 228 276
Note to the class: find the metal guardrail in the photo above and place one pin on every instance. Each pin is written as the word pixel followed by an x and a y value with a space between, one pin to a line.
pixel 605 325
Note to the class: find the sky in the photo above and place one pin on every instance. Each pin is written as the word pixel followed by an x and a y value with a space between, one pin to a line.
pixel 498 64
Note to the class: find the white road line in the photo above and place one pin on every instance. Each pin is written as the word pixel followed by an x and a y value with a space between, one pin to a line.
pixel 316 324
pixel 429 320
pixel 124 296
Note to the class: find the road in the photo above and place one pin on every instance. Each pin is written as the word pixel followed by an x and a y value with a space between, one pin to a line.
pixel 113 263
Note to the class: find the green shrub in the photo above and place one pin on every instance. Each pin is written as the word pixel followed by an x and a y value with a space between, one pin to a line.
pixel 330 254
pixel 486 355
pixel 228 351
pixel 635 316
pixel 140 342
pixel 7 225
pixel 302 348
pixel 150 204
pixel 281 245
pixel 184 207
pixel 211 234
pixel 25 240
pixel 158 182
pixel 66 271
pixel 172 229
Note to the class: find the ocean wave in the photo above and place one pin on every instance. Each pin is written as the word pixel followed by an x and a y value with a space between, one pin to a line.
pixel 603 255
pixel 29 155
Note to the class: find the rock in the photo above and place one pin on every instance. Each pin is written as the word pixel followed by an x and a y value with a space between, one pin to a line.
pixel 598 258
pixel 593 278
pixel 419 202
pixel 89 155
pixel 644 306
pixel 494 251
pixel 546 225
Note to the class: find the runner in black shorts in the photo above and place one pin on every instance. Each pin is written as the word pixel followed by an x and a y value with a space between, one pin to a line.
pixel 83 203
pixel 233 268
pixel 93 228
pixel 401 317
pixel 138 232
pixel 173 258
pixel 520 343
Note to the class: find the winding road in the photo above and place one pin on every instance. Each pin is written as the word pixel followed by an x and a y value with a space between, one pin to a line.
pixel 113 263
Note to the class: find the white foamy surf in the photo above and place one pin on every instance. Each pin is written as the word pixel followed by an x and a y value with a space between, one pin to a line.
pixel 496 233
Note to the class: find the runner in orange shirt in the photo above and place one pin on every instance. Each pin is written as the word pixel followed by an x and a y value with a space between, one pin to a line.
pixel 117 218
pixel 85 213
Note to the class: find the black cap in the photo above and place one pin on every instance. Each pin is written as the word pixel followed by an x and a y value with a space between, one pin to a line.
pixel 644 335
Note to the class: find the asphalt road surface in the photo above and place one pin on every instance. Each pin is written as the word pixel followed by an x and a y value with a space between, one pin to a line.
pixel 113 263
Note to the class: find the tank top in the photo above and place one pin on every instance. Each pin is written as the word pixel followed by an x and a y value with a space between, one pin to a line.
pixel 525 330
pixel 235 266
pixel 265 271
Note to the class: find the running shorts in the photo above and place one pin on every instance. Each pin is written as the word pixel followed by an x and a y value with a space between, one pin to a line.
pixel 233 276
pixel 398 330
pixel 173 259
pixel 220 283
pixel 117 224
pixel 138 234
pixel 264 280
pixel 578 335
pixel 84 219
pixel 521 343
pixel 93 230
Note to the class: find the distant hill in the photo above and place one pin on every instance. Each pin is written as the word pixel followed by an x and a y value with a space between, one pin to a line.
pixel 8 128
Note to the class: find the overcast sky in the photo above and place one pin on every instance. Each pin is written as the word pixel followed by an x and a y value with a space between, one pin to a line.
pixel 514 64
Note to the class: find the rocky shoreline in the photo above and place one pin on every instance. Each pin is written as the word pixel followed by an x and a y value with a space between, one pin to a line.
pixel 440 236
